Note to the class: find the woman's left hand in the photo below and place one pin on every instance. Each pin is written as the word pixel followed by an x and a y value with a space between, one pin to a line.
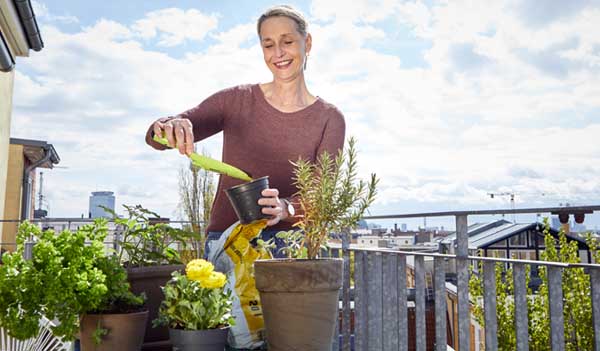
pixel 275 207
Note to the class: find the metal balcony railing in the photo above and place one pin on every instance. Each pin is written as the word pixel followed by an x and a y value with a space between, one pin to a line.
pixel 379 305
pixel 378 301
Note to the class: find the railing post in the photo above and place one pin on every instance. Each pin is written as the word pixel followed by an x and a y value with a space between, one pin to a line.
pixel 346 332
pixel 439 285
pixel 375 300
pixel 402 304
pixel 420 312
pixel 28 252
pixel 489 305
pixel 521 319
pixel 555 300
pixel 361 330
pixel 391 338
pixel 462 282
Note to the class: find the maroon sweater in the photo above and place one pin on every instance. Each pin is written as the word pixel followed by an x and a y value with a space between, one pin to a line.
pixel 261 140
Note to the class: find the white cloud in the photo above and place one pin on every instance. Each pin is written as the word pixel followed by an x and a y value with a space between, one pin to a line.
pixel 42 14
pixel 486 113
pixel 173 26
pixel 359 10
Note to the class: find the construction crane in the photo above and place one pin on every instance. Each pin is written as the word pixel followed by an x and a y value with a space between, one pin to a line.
pixel 40 213
pixel 512 195
pixel 512 200
pixel 41 193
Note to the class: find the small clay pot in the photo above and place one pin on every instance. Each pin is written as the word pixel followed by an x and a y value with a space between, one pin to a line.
pixel 244 199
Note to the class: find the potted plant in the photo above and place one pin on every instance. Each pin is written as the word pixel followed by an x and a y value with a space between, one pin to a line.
pixel 196 308
pixel 299 295
pixel 69 278
pixel 150 251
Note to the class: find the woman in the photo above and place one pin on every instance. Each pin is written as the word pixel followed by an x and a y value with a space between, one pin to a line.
pixel 265 126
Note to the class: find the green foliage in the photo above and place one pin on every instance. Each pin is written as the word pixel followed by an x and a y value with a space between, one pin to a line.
pixel 331 197
pixel 576 299
pixel 144 243
pixel 292 244
pixel 99 333
pixel 189 306
pixel 68 275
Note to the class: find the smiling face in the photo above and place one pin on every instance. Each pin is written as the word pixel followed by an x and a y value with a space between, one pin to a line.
pixel 284 48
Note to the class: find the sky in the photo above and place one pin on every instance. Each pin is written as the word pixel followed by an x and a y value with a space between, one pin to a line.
pixel 449 100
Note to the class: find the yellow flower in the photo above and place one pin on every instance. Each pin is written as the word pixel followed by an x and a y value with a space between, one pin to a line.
pixel 214 280
pixel 199 270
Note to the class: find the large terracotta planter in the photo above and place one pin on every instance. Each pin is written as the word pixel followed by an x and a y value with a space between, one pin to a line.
pixel 199 340
pixel 125 331
pixel 299 300
pixel 148 280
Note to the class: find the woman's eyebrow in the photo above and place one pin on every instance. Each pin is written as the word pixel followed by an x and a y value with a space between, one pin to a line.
pixel 281 35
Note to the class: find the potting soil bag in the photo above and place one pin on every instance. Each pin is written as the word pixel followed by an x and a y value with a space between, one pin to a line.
pixel 234 255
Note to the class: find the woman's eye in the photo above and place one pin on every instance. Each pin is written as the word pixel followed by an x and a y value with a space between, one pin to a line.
pixel 288 42
pixel 268 46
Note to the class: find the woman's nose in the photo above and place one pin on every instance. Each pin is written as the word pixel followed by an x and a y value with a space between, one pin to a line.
pixel 278 51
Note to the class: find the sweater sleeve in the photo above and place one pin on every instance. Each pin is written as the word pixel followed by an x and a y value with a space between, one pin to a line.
pixel 207 119
pixel 334 133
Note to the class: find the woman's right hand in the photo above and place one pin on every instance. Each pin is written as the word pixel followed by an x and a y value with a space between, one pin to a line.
pixel 178 131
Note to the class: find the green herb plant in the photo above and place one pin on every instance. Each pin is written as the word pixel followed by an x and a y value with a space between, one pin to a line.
pixel 146 242
pixel 68 275
pixel 331 198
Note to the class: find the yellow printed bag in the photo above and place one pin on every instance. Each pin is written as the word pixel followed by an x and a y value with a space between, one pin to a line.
pixel 234 255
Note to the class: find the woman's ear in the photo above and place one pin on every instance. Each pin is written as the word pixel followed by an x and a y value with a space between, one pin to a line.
pixel 308 43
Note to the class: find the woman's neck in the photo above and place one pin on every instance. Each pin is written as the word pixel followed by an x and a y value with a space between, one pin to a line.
pixel 293 95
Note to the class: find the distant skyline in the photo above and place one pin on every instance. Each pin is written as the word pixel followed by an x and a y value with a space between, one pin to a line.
pixel 449 101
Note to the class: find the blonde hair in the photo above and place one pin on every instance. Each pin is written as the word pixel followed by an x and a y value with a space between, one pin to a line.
pixel 284 11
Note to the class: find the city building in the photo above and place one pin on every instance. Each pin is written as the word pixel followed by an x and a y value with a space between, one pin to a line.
pixel 18 35
pixel 24 157
pixel 101 199
pixel 504 239
pixel 387 241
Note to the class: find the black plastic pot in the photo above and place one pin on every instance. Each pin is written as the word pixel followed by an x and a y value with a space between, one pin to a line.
pixel 148 280
pixel 244 199
pixel 195 340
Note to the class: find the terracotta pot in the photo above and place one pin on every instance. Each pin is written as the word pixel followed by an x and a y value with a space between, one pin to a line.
pixel 149 280
pixel 125 331
pixel 299 300
pixel 199 340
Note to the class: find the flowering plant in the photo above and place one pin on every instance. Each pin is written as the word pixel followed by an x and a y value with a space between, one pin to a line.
pixel 196 300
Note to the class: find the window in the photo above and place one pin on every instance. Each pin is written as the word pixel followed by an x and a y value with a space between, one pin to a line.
pixel 522 255
pixel 518 240
pixel 497 253
pixel 499 244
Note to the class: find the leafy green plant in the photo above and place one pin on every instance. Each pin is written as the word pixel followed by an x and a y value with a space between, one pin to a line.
pixel 145 242
pixel 331 199
pixel 576 298
pixel 68 275
pixel 293 244
pixel 197 300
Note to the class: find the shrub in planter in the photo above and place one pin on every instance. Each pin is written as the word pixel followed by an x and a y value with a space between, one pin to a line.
pixel 299 295
pixel 197 308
